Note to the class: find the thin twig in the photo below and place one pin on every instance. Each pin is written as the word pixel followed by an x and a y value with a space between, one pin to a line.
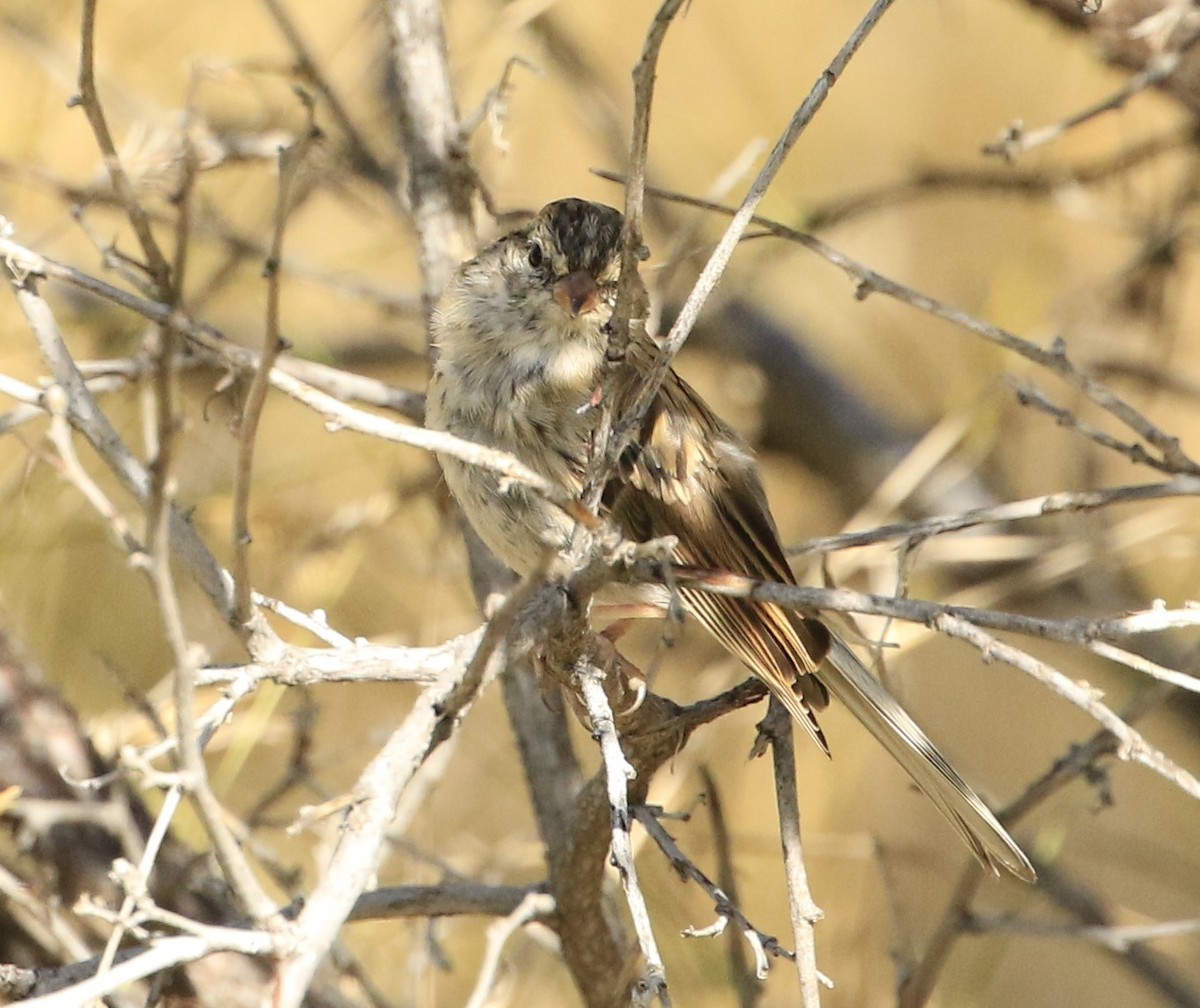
pixel 1055 360
pixel 917 985
pixel 727 911
pixel 129 902
pixel 1029 395
pixel 24 261
pixel 291 162
pixel 1044 181
pixel 1076 630
pixel 1132 745
pixel 1166 974
pixel 629 312
pixel 161 954
pixel 376 795
pixel 632 415
pixel 83 411
pixel 308 69
pixel 749 989
pixel 1016 140
pixel 629 296
pixel 805 913
pixel 1115 938
pixel 60 436
pixel 86 417
pixel 89 99
pixel 228 852
pixel 617 773
pixel 1067 501
pixel 338 416
pixel 236 247
pixel 534 905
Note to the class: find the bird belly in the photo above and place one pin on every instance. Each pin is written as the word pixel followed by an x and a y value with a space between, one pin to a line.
pixel 513 520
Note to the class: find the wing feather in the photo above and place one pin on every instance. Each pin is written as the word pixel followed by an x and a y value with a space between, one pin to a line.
pixel 691 477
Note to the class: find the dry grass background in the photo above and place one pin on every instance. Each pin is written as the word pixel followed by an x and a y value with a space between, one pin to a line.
pixel 355 527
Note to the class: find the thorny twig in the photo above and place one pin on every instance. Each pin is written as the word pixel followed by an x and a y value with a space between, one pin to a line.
pixel 1067 501
pixel 291 163
pixel 761 944
pixel 89 100
pixel 1055 359
pixel 1017 140
pixel 650 383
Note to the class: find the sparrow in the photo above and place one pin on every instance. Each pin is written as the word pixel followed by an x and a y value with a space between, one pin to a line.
pixel 519 337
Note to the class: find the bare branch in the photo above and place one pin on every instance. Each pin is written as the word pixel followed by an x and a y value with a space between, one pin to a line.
pixel 777 727
pixel 88 419
pixel 917 985
pixel 156 263
pixel 447 899
pixel 1115 938
pixel 742 217
pixel 749 989
pixel 1054 360
pixel 1132 746
pixel 290 665
pixel 291 161
pixel 440 178
pixel 532 906
pixel 629 290
pixel 617 774
pixel 1029 395
pixel 1076 630
pixel 1016 140
pixel 161 954
pixel 629 312
pixel 1068 501
pixel 727 911
pixel 356 857
pixel 1041 182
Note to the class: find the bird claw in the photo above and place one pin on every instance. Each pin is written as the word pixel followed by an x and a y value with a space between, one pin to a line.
pixel 640 691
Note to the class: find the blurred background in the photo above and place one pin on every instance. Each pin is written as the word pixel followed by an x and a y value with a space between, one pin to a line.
pixel 865 412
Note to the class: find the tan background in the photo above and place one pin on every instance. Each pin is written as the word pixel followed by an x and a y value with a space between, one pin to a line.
pixel 351 526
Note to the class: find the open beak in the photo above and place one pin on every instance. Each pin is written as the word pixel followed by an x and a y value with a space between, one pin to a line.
pixel 576 293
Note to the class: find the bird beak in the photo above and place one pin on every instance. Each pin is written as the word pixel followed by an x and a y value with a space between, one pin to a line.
pixel 576 293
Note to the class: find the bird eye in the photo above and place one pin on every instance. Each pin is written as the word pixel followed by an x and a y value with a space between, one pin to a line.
pixel 535 255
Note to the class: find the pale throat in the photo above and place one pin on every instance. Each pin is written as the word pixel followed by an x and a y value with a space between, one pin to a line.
pixel 557 351
pixel 565 364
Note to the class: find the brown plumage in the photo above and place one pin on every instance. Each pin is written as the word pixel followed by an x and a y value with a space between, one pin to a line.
pixel 521 338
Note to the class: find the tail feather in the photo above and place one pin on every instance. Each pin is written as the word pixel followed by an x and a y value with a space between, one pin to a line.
pixel 849 681
pixel 768 640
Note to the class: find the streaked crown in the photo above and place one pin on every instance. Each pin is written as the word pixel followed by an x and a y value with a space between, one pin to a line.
pixel 588 235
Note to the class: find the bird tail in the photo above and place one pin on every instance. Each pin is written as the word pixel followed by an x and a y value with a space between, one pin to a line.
pixel 848 680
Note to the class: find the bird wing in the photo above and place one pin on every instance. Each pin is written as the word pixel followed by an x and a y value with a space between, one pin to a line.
pixel 689 476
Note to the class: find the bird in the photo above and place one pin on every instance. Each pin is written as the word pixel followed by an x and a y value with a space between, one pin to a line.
pixel 519 340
